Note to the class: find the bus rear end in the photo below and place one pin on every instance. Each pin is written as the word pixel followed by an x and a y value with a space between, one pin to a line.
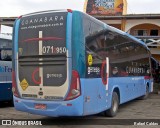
pixel 44 82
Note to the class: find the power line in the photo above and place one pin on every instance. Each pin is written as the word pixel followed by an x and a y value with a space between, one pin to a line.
pixel 129 7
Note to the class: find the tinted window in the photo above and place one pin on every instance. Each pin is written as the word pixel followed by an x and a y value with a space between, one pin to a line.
pixel 48 29
pixel 94 41
pixel 5 50
pixel 126 57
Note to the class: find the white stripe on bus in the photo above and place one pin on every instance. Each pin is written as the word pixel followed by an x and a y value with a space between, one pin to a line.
pixel 5 81
pixel 40 53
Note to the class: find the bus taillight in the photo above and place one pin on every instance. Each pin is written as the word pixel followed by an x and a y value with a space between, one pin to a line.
pixel 147 77
pixel 14 87
pixel 69 10
pixel 19 17
pixel 75 88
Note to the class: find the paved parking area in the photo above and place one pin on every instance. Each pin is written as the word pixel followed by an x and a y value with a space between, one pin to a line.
pixel 136 109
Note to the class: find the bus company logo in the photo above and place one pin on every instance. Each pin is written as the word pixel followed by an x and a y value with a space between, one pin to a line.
pixel 137 70
pixel 5 69
pixel 42 20
pixel 54 75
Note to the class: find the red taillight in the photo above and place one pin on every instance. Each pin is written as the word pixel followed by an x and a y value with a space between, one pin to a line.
pixel 147 77
pixel 104 74
pixel 19 17
pixel 14 87
pixel 69 10
pixel 75 88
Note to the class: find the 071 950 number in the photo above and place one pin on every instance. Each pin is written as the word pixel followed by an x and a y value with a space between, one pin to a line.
pixel 52 49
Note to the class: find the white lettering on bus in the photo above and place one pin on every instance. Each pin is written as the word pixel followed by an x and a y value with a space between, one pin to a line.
pixel 54 76
pixel 42 19
pixel 52 49
pixel 93 70
pixel 135 70
pixel 5 69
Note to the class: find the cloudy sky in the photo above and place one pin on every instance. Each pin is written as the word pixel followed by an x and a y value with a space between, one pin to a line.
pixel 20 7
pixel 12 8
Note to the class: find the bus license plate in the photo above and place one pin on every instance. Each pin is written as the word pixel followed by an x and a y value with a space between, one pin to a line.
pixel 40 106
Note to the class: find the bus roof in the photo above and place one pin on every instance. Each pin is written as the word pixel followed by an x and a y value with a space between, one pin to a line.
pixel 43 12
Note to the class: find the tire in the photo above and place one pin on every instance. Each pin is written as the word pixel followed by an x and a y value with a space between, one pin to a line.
pixel 114 106
pixel 146 95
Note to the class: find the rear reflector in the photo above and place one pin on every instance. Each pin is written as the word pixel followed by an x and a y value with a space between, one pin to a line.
pixel 69 104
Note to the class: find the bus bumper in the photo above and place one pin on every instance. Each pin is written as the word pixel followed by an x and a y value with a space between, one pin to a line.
pixel 53 108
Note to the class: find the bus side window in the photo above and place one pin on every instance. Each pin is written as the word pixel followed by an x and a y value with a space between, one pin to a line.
pixel 123 73
pixel 6 55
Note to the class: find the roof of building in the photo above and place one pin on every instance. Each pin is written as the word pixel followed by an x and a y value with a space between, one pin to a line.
pixel 8 21
pixel 128 16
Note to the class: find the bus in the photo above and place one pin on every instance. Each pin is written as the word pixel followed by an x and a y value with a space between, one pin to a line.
pixel 6 67
pixel 67 63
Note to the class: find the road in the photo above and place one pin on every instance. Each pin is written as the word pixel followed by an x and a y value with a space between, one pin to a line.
pixel 136 109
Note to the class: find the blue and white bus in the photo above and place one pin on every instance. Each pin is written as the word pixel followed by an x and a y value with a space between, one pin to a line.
pixel 6 67
pixel 67 63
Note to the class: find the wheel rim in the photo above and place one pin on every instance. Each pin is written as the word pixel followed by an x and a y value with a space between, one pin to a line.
pixel 115 106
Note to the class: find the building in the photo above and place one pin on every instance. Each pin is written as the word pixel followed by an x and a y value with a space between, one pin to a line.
pixel 143 26
pixel 114 12
pixel 8 21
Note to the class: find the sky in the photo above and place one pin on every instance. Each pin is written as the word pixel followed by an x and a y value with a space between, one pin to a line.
pixel 9 8
pixel 14 8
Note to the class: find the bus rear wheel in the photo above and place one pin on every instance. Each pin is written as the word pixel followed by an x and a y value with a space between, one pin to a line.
pixel 114 106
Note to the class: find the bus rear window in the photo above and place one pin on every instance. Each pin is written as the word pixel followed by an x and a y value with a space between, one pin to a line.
pixel 43 34
pixel 42 49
